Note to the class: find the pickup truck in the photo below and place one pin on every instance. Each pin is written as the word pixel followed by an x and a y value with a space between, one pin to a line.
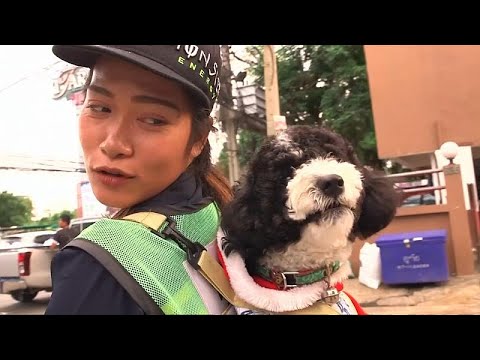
pixel 25 261
pixel 25 264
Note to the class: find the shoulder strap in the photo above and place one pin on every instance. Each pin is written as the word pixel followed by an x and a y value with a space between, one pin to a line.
pixel 131 286
pixel 208 267
pixel 151 220
pixel 213 272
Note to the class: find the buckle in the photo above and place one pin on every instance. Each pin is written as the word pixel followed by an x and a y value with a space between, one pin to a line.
pixel 281 279
pixel 193 249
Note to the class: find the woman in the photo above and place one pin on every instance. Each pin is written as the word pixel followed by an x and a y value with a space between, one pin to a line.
pixel 144 133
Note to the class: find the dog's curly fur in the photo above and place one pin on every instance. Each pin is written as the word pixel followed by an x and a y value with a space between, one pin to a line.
pixel 274 204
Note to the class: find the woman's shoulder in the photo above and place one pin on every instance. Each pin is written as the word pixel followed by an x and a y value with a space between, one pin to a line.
pixel 82 285
pixel 72 259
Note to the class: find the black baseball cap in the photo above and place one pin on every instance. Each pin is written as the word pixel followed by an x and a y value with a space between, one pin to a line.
pixel 195 66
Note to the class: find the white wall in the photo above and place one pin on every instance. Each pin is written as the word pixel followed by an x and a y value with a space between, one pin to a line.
pixel 465 160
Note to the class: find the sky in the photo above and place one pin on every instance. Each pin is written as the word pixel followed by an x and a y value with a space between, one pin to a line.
pixel 34 127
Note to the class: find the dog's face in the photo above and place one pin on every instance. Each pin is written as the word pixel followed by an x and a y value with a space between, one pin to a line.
pixel 323 186
pixel 304 198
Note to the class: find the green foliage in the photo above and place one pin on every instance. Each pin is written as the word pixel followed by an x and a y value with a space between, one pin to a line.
pixel 14 210
pixel 53 219
pixel 248 144
pixel 325 85
pixel 222 163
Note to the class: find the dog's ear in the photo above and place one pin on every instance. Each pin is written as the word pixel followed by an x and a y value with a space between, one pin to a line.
pixel 238 217
pixel 379 205
pixel 251 220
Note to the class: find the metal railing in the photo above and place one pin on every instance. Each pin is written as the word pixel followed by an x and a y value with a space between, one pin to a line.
pixel 415 173
pixel 419 190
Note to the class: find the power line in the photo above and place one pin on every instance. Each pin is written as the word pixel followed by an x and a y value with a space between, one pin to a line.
pixel 77 170
pixel 44 68
pixel 28 161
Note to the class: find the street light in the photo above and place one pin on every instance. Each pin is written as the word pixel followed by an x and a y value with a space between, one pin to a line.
pixel 449 150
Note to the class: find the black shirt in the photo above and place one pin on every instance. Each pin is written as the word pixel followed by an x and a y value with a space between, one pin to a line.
pixel 82 286
pixel 63 236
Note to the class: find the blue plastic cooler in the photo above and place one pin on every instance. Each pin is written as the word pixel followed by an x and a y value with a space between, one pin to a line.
pixel 415 257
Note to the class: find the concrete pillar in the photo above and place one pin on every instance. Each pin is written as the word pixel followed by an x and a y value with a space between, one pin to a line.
pixel 461 234
pixel 272 97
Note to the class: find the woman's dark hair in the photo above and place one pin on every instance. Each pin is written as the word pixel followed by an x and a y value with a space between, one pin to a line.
pixel 215 183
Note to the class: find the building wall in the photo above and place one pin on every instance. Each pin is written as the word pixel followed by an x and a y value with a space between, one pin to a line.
pixel 423 95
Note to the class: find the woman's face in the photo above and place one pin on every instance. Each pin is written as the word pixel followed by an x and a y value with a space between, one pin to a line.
pixel 134 130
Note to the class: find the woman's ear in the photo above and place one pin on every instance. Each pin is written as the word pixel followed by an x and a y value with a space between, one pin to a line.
pixel 198 146
pixel 379 205
pixel 197 149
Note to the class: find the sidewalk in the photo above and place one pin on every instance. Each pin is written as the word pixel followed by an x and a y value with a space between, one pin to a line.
pixel 460 295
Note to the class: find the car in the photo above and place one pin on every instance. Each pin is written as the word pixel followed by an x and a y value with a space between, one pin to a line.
pixel 26 239
pixel 80 224
pixel 26 259
pixel 419 199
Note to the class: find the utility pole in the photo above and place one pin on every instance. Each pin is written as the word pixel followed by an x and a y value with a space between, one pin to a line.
pixel 227 116
pixel 272 100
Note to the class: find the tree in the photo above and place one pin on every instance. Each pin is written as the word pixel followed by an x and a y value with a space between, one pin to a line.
pixel 53 219
pixel 248 143
pixel 14 210
pixel 326 85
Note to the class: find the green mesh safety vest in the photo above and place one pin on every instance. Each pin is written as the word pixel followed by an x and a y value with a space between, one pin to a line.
pixel 156 262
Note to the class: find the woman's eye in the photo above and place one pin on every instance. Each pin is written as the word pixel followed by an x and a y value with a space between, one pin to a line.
pixel 153 121
pixel 98 108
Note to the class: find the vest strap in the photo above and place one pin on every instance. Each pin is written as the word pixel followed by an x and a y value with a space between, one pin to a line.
pixel 149 219
pixel 199 258
pixel 213 272
pixel 131 286
pixel 153 221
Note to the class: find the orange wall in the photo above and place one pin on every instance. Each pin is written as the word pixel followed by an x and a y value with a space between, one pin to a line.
pixel 424 95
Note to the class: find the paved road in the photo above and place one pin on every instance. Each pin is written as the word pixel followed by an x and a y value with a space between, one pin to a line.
pixel 9 306
pixel 460 295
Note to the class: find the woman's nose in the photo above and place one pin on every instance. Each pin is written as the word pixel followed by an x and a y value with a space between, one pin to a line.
pixel 117 144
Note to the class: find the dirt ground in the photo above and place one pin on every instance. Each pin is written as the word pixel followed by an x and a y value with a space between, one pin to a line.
pixel 460 295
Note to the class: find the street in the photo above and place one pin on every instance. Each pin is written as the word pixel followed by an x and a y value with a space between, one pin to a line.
pixel 459 296
pixel 9 306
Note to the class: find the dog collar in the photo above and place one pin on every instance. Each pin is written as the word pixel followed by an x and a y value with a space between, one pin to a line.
pixel 284 280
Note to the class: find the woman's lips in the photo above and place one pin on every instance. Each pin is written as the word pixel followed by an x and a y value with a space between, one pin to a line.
pixel 110 179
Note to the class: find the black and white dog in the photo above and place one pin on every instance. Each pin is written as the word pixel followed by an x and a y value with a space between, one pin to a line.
pixel 304 199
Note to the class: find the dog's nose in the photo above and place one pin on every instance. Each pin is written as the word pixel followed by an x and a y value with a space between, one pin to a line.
pixel 331 185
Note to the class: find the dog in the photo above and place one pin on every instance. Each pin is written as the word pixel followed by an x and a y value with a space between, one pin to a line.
pixel 288 232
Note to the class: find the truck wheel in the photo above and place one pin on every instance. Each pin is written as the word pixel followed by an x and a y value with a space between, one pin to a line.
pixel 24 296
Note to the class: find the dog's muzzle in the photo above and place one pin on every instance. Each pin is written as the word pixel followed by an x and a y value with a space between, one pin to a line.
pixel 331 185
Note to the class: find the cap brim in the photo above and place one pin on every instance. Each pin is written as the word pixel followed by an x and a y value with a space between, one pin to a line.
pixel 87 55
